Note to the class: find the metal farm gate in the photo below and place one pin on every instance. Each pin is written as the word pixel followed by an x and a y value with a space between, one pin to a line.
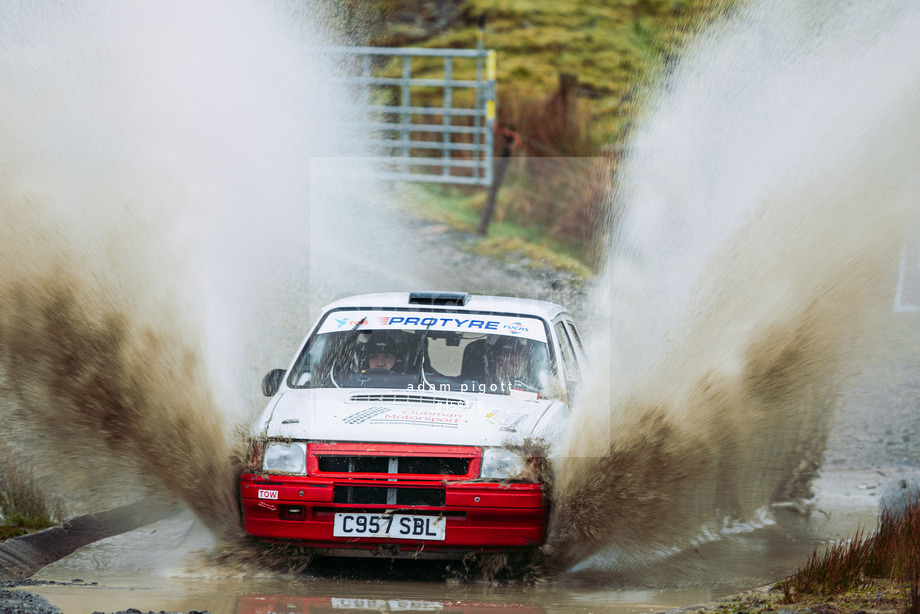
pixel 426 124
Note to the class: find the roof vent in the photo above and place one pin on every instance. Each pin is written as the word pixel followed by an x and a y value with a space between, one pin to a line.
pixel 439 298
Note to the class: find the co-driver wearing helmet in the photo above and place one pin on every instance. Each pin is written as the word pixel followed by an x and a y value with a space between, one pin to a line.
pixel 506 363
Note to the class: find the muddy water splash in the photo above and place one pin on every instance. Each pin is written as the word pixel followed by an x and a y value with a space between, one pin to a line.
pixel 112 399
pixel 765 194
pixel 155 190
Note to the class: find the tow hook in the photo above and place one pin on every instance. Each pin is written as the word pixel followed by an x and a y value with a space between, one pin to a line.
pixel 387 550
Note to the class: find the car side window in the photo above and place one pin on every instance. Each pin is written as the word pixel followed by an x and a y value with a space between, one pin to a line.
pixel 577 344
pixel 569 359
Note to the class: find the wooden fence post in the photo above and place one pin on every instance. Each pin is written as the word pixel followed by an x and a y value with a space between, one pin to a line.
pixel 501 164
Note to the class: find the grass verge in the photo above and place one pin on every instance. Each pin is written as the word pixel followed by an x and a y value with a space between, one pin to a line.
pixel 873 573
pixel 889 557
pixel 24 505
pixel 869 573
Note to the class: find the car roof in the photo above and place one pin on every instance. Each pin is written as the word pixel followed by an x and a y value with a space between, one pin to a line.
pixel 474 302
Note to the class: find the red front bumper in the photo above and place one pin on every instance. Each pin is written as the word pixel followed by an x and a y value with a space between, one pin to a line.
pixel 480 517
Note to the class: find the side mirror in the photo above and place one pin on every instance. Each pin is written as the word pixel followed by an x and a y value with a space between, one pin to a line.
pixel 272 381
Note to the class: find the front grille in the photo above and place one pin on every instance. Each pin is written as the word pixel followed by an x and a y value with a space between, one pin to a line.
pixel 406 398
pixel 393 462
pixel 420 465
pixel 376 495
pixel 353 464
pixel 411 465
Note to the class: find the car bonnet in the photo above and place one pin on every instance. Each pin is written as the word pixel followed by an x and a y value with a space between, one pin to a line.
pixel 398 416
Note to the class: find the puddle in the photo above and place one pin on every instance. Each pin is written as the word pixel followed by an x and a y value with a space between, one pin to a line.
pixel 160 567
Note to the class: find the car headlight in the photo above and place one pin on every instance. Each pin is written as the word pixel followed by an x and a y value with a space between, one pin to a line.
pixel 502 464
pixel 285 457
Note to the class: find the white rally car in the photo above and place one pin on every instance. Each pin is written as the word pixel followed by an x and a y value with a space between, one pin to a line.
pixel 414 424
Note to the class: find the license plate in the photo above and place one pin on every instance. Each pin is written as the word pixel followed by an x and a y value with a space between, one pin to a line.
pixel 392 526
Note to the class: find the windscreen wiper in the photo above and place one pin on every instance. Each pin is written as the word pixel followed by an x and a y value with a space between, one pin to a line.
pixel 340 353
pixel 418 353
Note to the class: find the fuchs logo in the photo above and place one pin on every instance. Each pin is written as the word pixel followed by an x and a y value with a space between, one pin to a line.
pixel 516 328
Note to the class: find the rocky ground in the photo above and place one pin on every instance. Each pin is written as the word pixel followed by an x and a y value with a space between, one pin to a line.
pixel 21 602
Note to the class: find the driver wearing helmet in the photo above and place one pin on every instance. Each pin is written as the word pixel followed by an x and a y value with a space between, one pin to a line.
pixel 381 360
pixel 384 349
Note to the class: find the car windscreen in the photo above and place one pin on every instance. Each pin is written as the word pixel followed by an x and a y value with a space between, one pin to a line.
pixel 460 352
